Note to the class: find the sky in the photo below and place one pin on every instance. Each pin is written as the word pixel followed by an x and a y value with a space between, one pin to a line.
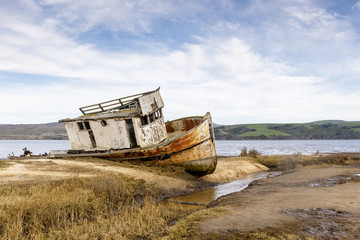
pixel 244 61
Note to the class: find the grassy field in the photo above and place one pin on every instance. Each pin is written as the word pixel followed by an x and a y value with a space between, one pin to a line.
pixel 243 131
pixel 329 129
pixel 262 129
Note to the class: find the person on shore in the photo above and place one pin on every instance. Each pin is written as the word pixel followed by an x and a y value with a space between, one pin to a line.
pixel 27 152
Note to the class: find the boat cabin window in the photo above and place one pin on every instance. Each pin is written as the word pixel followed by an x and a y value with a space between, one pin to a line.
pixel 104 123
pixel 144 120
pixel 87 125
pixel 151 117
pixel 80 126
pixel 157 114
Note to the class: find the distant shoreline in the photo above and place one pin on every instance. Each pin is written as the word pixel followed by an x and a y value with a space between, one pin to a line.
pixel 319 130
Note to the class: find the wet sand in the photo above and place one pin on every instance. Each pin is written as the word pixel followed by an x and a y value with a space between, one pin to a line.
pixel 318 202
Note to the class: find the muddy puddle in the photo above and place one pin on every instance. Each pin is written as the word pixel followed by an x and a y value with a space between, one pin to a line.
pixel 325 223
pixel 335 180
pixel 205 197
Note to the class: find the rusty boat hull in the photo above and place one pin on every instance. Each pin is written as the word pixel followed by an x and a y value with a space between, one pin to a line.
pixel 190 143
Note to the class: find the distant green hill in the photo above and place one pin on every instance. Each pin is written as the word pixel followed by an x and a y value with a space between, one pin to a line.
pixel 327 129
pixel 33 131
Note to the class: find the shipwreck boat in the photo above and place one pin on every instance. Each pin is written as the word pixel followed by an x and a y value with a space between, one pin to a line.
pixel 133 128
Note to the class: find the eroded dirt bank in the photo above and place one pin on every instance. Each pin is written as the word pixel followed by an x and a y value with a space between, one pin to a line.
pixel 320 202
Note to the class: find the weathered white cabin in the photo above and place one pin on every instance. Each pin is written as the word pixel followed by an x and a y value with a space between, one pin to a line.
pixel 133 121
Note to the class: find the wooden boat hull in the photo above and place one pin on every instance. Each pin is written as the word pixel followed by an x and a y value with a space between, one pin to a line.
pixel 190 143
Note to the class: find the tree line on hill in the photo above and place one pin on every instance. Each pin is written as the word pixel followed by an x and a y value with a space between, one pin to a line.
pixel 326 130
pixel 47 131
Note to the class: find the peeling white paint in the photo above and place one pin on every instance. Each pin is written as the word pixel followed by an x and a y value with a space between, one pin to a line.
pixel 113 135
pixel 78 139
pixel 150 134
pixel 150 103
pixel 116 131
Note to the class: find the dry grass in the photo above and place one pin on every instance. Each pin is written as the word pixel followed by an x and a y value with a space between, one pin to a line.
pixel 102 207
pixel 5 164
pixel 169 170
pixel 264 234
pixel 149 166
pixel 287 162
pixel 50 166
pixel 112 206
pixel 187 228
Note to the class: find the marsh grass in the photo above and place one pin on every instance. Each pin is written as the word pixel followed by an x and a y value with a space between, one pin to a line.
pixel 149 166
pixel 51 166
pixel 266 234
pixel 288 162
pixel 5 164
pixel 102 207
pixel 188 228
pixel 161 169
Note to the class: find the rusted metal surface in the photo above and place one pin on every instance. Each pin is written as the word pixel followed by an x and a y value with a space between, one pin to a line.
pixel 184 124
pixel 199 159
pixel 194 148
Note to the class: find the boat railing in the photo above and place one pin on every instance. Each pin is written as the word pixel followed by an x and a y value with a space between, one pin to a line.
pixel 124 103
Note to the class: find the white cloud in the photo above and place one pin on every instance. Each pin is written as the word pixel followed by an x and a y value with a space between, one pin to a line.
pixel 222 74
pixel 311 16
pixel 356 5
pixel 118 15
pixel 313 39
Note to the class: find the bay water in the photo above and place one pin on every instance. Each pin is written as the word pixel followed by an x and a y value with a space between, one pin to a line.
pixel 223 147
pixel 280 147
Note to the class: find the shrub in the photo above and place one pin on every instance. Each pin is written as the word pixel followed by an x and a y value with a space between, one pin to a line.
pixel 243 152
pixel 253 153
pixel 334 159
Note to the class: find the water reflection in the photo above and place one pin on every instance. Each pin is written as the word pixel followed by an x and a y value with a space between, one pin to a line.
pixel 203 198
